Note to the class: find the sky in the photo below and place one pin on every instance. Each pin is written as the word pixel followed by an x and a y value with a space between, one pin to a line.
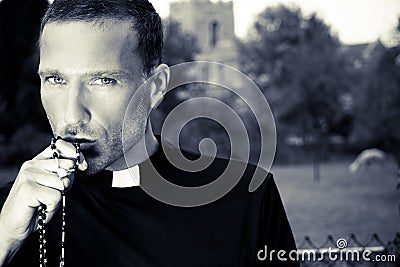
pixel 354 21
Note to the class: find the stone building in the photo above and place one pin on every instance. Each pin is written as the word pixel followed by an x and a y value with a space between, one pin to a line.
pixel 213 24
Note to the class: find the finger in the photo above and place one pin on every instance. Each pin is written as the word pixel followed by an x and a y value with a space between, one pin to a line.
pixel 52 165
pixel 65 149
pixel 82 165
pixel 48 153
pixel 68 150
pixel 51 198
pixel 42 189
pixel 45 154
pixel 66 182
pixel 46 179
pixel 43 167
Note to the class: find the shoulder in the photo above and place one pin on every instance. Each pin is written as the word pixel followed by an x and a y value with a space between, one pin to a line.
pixel 250 176
pixel 185 167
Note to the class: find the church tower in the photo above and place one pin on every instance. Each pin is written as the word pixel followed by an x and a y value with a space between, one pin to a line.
pixel 213 24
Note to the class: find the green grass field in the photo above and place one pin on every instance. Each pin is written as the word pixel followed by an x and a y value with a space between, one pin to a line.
pixel 341 203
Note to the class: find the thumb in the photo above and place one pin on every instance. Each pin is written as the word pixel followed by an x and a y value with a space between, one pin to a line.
pixel 82 164
pixel 68 181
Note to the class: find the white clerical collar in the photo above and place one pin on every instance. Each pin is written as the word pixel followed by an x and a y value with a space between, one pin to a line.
pixel 126 177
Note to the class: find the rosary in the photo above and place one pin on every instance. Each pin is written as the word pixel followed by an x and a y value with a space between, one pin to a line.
pixel 42 208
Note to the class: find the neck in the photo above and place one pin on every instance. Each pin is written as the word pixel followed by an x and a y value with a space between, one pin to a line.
pixel 140 152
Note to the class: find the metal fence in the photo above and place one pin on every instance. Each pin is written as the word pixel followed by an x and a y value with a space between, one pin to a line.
pixel 350 252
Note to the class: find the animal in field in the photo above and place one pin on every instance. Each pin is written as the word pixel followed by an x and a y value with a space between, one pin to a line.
pixel 366 159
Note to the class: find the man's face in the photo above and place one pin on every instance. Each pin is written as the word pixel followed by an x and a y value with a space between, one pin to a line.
pixel 89 73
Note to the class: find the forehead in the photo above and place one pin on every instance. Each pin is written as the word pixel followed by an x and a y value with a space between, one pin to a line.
pixel 79 45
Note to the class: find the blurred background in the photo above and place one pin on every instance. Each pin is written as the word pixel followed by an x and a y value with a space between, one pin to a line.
pixel 330 71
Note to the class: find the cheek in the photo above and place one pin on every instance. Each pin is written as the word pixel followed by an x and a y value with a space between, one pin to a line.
pixel 50 107
pixel 135 117
pixel 109 113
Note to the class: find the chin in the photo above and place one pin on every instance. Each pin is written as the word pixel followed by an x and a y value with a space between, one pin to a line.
pixel 100 156
pixel 93 169
pixel 95 162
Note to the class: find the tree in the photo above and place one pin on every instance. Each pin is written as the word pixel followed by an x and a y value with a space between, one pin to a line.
pixel 298 64
pixel 394 38
pixel 377 110
pixel 179 46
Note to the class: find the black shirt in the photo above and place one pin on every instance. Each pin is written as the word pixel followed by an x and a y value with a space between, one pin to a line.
pixel 108 226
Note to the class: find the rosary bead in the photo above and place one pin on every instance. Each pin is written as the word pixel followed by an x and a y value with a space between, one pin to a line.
pixel 42 212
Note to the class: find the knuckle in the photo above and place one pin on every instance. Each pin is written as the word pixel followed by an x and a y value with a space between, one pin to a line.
pixel 24 176
pixel 27 165
pixel 67 163
pixel 55 196
pixel 48 196
pixel 26 189
pixel 60 184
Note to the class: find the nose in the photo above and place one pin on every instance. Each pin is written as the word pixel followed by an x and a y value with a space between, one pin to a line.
pixel 76 110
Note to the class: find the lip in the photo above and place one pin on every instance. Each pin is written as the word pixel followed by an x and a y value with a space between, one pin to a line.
pixel 74 139
pixel 83 142
pixel 86 145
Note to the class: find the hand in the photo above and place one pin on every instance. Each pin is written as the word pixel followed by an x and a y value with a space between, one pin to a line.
pixel 37 183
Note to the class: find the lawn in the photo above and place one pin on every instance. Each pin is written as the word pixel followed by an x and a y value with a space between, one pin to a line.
pixel 340 203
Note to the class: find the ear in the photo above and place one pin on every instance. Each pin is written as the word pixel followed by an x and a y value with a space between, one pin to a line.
pixel 159 84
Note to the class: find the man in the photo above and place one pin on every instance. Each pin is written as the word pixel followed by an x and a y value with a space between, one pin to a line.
pixel 94 55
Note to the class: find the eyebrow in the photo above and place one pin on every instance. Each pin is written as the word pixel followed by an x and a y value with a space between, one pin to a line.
pixel 106 73
pixel 48 72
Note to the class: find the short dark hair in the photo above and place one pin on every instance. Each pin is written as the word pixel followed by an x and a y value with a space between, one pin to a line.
pixel 144 18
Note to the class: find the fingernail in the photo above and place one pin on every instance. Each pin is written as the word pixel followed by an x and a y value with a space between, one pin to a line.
pixel 66 182
pixel 84 165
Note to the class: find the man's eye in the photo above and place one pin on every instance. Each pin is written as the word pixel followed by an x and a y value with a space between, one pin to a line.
pixel 56 80
pixel 104 81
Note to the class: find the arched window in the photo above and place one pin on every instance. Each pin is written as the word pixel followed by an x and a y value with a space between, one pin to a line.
pixel 214 32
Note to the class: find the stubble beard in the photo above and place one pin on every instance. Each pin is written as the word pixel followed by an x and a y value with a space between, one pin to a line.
pixel 99 157
pixel 104 152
